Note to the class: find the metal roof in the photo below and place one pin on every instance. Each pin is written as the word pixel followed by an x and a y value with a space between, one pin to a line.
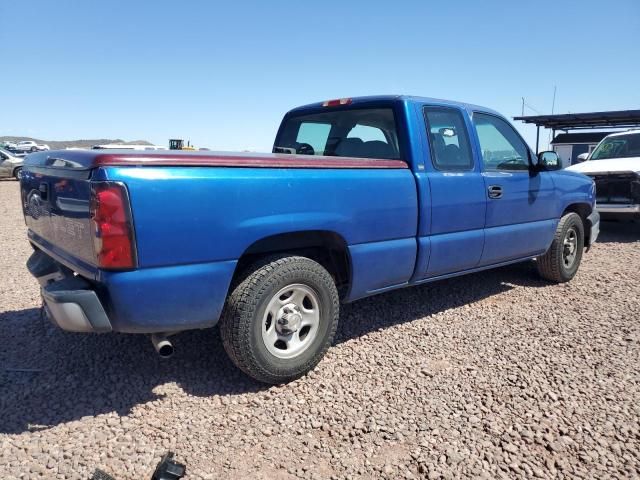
pixel 576 121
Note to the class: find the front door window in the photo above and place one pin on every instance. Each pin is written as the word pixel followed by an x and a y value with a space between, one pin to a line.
pixel 502 148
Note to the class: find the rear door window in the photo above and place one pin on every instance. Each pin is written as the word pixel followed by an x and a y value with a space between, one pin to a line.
pixel 448 139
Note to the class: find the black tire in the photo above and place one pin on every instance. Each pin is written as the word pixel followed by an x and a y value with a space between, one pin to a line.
pixel 242 320
pixel 553 264
pixel 33 149
pixel 17 172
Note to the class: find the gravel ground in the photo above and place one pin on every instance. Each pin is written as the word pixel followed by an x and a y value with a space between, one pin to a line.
pixel 494 375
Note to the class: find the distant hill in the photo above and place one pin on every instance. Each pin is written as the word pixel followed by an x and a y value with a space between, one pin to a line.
pixel 62 144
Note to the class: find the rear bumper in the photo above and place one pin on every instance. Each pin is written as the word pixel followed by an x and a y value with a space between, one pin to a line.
pixel 153 300
pixel 69 301
pixel 73 306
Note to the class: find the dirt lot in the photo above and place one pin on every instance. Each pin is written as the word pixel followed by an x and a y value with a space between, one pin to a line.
pixel 494 375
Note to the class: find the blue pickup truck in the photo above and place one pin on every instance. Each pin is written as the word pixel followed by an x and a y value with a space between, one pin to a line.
pixel 360 196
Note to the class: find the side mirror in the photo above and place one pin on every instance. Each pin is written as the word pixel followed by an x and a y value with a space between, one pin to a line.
pixel 548 161
pixel 582 157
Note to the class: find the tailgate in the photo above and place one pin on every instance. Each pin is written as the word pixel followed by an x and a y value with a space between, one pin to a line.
pixel 55 197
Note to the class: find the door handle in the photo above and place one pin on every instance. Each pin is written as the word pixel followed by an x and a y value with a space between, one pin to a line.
pixel 495 191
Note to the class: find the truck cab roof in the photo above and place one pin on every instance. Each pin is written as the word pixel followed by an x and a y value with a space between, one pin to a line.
pixel 390 99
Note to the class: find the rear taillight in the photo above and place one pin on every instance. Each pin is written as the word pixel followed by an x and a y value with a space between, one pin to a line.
pixel 113 235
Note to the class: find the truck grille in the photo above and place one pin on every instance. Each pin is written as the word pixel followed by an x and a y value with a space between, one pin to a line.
pixel 619 188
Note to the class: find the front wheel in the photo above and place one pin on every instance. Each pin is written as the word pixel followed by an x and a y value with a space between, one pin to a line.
pixel 560 263
pixel 17 173
pixel 280 319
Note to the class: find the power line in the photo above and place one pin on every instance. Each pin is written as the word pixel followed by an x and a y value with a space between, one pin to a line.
pixel 531 108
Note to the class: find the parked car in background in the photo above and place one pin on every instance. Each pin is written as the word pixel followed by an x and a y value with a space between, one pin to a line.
pixel 10 165
pixel 30 146
pixel 8 145
pixel 361 196
pixel 614 165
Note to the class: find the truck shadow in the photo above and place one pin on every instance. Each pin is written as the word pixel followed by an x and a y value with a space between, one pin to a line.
pixel 49 377
pixel 405 305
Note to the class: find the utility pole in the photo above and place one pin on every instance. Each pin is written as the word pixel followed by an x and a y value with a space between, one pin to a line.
pixel 522 107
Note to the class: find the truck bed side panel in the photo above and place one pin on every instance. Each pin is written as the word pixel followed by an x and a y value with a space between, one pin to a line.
pixel 198 215
pixel 192 214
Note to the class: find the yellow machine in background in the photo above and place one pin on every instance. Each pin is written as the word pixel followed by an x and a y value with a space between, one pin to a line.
pixel 178 144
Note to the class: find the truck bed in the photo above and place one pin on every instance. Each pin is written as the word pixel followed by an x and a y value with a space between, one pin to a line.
pixel 196 213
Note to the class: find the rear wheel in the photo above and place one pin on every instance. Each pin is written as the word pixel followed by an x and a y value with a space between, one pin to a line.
pixel 560 263
pixel 280 318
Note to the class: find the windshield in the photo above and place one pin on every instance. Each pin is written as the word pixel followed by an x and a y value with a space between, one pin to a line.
pixel 620 146
pixel 360 132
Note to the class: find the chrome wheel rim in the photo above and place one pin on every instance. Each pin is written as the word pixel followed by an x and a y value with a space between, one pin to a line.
pixel 570 247
pixel 291 321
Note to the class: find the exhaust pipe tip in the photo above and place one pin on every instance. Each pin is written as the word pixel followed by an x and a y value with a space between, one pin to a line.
pixel 165 349
pixel 162 345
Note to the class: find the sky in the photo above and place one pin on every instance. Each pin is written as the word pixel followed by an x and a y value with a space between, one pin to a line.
pixel 222 74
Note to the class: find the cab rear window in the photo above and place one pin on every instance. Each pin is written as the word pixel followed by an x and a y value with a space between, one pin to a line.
pixel 361 133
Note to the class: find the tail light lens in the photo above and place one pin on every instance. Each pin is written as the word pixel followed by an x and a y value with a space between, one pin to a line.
pixel 113 235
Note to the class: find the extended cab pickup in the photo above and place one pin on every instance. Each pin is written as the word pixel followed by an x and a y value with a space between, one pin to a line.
pixel 360 196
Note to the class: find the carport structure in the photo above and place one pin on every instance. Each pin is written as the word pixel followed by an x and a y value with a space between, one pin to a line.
pixel 619 119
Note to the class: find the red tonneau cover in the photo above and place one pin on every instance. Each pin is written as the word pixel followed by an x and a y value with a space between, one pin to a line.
pixel 85 159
